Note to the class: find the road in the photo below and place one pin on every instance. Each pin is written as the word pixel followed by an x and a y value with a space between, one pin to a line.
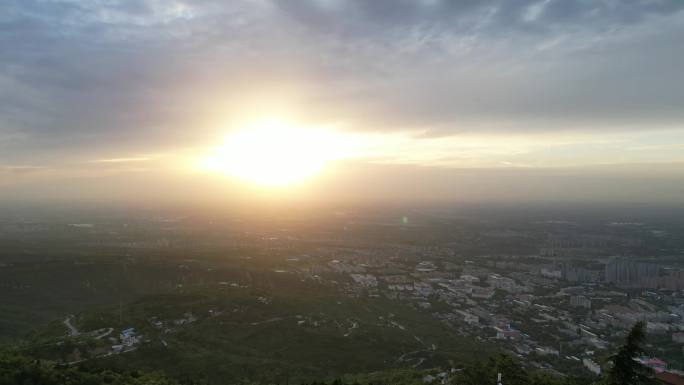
pixel 275 319
pixel 105 334
pixel 72 329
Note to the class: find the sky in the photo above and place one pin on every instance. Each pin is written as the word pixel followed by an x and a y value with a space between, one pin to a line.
pixel 442 100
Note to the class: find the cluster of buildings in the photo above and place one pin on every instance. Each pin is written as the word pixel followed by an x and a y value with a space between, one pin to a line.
pixel 557 318
pixel 129 339
pixel 619 272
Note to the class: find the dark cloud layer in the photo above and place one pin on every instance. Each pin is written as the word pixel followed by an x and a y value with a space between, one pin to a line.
pixel 129 76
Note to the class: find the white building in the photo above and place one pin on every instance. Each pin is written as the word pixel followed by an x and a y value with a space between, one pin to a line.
pixel 580 301
pixel 366 280
pixel 591 366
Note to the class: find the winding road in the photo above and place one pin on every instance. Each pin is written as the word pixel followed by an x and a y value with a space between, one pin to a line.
pixel 72 329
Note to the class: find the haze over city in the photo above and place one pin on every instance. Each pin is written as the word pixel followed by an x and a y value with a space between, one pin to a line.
pixel 336 101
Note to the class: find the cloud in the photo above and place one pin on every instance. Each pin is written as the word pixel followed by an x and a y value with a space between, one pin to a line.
pixel 21 169
pixel 84 78
pixel 121 160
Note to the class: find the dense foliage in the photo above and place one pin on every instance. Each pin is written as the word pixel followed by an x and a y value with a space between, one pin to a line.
pixel 626 370
pixel 17 370
pixel 20 370
pixel 511 371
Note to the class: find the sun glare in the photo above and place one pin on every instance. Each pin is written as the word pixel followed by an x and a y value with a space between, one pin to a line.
pixel 276 153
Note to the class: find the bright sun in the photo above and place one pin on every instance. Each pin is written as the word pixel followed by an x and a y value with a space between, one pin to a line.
pixel 275 153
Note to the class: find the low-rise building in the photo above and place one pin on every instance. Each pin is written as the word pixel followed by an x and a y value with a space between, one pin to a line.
pixel 580 301
pixel 469 318
pixel 482 292
pixel 507 333
pixel 678 337
pixel 591 366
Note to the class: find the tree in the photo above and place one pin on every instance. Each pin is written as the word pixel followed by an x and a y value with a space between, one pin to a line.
pixel 18 370
pixel 512 373
pixel 626 370
pixel 474 374
pixel 485 374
